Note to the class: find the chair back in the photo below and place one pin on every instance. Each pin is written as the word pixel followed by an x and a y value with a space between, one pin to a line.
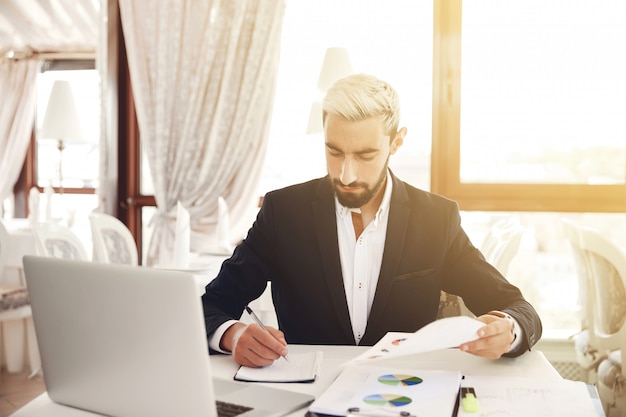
pixel 583 274
pixel 112 240
pixel 502 242
pixel 57 241
pixel 607 266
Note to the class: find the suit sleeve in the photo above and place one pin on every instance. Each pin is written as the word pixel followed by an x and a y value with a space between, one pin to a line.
pixel 242 278
pixel 483 288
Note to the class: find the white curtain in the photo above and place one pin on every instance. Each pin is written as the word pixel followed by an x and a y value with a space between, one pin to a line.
pixel 27 28
pixel 203 76
pixel 17 114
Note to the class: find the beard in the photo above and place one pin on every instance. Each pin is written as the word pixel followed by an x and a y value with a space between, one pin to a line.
pixel 356 200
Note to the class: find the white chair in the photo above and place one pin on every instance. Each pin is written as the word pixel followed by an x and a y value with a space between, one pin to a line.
pixel 502 243
pixel 499 247
pixel 112 240
pixel 588 355
pixel 607 265
pixel 15 313
pixel 57 241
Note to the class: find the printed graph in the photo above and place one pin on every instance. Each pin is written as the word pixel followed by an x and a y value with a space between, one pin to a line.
pixel 393 400
pixel 399 380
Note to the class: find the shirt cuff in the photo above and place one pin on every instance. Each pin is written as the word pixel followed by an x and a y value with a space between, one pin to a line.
pixel 517 334
pixel 216 337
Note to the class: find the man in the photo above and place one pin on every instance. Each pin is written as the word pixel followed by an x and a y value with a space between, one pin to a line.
pixel 359 253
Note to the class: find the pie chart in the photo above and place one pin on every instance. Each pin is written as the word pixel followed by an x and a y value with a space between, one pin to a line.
pixel 393 400
pixel 399 380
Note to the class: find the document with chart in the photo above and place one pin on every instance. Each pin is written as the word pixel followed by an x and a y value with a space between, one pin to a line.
pixel 440 334
pixel 379 390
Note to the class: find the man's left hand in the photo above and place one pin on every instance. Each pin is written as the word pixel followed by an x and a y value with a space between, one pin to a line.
pixel 494 339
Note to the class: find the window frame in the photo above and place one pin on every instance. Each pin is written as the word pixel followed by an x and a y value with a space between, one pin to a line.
pixel 446 143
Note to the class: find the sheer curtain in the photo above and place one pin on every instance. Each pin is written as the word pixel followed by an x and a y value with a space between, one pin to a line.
pixel 203 76
pixel 17 113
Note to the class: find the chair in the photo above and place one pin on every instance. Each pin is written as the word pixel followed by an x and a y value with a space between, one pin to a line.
pixel 57 241
pixel 112 241
pixel 585 345
pixel 502 243
pixel 607 265
pixel 15 312
pixel 499 247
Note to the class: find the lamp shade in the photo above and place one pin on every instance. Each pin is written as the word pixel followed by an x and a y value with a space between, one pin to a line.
pixel 335 66
pixel 61 118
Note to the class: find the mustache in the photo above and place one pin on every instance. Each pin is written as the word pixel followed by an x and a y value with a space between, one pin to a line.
pixel 352 184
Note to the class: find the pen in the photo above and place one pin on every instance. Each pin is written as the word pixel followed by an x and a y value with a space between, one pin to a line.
pixel 258 321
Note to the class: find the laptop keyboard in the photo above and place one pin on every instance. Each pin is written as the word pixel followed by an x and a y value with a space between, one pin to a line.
pixel 225 409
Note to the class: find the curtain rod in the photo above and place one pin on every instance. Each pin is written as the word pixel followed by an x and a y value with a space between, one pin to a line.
pixel 46 55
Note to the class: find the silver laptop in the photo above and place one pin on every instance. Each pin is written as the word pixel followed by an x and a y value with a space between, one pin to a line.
pixel 130 341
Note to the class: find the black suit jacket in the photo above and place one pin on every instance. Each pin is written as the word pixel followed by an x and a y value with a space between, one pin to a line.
pixel 293 244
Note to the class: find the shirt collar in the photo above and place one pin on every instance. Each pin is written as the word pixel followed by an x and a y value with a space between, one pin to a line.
pixel 382 210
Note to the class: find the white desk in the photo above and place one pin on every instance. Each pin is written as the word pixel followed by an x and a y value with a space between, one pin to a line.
pixel 531 364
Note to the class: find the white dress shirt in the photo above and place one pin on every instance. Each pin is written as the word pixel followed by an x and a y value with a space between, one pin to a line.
pixel 361 259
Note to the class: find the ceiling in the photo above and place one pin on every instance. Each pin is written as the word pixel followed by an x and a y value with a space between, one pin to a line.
pixel 48 26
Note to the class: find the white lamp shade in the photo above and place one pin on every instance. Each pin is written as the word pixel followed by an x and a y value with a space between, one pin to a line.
pixel 336 65
pixel 61 118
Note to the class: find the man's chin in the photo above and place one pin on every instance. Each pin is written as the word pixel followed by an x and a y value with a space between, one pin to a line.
pixel 350 200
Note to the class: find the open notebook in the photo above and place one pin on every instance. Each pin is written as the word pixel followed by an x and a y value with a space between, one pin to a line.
pixel 130 341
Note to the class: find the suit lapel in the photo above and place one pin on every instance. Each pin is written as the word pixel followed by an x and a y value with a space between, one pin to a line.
pixel 394 244
pixel 326 225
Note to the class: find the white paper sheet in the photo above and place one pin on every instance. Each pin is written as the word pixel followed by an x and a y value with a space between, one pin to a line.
pixel 388 391
pixel 444 333
pixel 523 397
pixel 182 237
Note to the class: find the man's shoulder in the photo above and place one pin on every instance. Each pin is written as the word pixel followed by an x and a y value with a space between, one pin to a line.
pixel 307 187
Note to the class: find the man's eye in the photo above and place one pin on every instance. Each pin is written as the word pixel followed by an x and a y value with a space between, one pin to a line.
pixel 368 156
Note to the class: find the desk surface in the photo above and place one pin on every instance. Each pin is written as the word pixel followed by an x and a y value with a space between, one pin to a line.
pixel 531 364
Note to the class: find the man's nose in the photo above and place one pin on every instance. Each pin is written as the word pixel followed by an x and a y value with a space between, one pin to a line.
pixel 348 171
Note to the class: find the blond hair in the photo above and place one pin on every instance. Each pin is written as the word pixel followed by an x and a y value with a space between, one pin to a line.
pixel 361 96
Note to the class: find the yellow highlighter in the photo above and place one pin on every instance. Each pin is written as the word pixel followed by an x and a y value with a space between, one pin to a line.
pixel 469 401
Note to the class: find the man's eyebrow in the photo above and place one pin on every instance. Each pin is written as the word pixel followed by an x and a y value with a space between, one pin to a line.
pixel 359 152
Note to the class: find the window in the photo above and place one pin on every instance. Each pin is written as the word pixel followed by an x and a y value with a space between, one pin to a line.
pixel 528 121
pixel 75 198
pixel 528 112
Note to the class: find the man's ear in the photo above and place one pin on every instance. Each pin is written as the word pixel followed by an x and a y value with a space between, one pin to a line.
pixel 398 140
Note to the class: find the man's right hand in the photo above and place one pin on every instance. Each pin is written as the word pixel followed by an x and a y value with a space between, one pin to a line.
pixel 252 346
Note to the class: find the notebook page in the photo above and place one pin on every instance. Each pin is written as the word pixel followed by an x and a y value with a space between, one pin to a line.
pixel 301 367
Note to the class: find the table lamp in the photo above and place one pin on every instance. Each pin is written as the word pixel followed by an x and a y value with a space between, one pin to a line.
pixel 60 121
pixel 336 65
